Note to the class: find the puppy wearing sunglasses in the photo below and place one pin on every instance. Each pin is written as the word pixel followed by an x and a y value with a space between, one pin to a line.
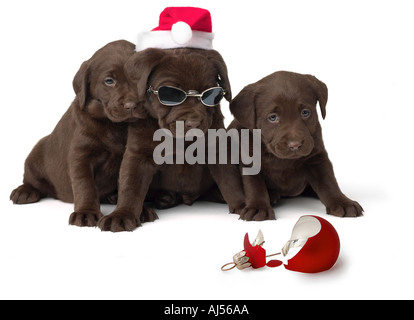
pixel 173 85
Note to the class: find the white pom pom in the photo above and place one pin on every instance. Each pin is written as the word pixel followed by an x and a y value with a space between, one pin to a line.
pixel 181 32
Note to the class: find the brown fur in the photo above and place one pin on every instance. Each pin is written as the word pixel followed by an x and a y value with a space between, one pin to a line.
pixel 294 159
pixel 79 161
pixel 189 69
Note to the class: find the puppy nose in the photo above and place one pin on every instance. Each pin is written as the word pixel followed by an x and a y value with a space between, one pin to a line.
pixel 130 106
pixel 295 145
pixel 190 124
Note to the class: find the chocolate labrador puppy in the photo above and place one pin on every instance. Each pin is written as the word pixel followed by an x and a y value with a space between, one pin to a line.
pixel 177 87
pixel 79 161
pixel 293 155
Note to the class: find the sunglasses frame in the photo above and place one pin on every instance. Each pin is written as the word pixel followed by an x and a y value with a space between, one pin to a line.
pixel 190 93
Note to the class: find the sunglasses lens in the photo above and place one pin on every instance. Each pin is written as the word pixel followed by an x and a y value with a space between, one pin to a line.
pixel 171 96
pixel 212 96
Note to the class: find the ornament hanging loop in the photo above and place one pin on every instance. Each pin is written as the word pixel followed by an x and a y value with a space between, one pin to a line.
pixel 223 268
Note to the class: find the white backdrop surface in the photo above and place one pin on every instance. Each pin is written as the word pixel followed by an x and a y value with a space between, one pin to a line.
pixel 362 50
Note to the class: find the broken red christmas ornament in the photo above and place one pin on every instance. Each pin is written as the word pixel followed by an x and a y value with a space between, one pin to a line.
pixel 313 247
pixel 253 255
pixel 255 252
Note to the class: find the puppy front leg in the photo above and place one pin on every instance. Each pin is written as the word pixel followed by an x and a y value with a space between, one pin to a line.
pixel 85 192
pixel 135 178
pixel 258 207
pixel 227 177
pixel 322 180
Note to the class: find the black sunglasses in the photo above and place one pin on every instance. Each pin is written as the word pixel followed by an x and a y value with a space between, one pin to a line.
pixel 171 96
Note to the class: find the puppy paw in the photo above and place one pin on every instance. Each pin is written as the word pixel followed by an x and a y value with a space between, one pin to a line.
pixel 85 218
pixel 25 194
pixel 237 208
pixel 166 199
pixel 274 198
pixel 110 199
pixel 148 215
pixel 189 199
pixel 345 208
pixel 257 214
pixel 118 221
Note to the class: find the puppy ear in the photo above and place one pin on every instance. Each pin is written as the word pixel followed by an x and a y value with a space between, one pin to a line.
pixel 321 90
pixel 81 84
pixel 243 107
pixel 140 66
pixel 222 77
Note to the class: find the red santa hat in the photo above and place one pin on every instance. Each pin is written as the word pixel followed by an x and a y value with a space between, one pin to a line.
pixel 179 27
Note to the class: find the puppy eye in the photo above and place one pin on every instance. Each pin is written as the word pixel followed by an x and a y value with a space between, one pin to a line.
pixel 273 118
pixel 110 82
pixel 305 113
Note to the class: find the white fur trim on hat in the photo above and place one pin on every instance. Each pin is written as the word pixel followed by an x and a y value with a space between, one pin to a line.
pixel 166 40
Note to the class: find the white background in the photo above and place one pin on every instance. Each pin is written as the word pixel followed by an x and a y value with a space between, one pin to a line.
pixel 362 50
